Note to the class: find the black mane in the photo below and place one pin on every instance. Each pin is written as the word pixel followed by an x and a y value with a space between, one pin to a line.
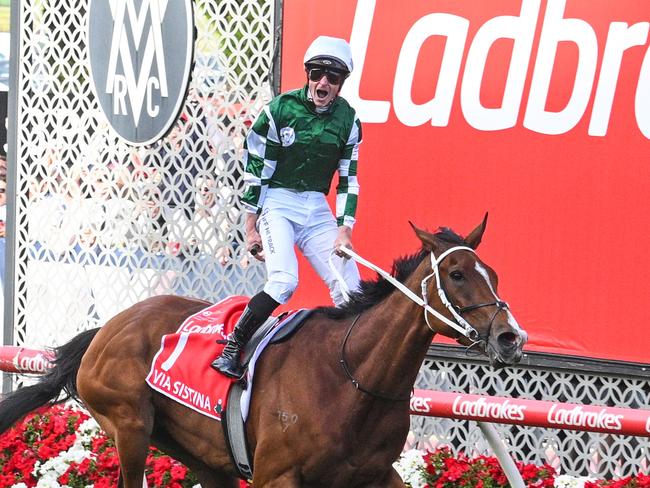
pixel 374 291
pixel 448 235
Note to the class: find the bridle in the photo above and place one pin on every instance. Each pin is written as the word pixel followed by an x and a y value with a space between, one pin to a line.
pixel 459 323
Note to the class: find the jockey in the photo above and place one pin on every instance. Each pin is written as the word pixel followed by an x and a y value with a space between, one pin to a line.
pixel 298 142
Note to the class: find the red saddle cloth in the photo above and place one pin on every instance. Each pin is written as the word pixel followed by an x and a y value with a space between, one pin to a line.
pixel 181 368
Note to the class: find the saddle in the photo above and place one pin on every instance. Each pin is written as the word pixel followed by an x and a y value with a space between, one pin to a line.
pixel 234 426
pixel 288 329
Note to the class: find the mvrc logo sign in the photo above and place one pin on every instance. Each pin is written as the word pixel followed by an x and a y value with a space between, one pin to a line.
pixel 140 55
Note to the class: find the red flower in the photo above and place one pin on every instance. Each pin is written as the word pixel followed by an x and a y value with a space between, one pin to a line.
pixel 105 483
pixel 178 472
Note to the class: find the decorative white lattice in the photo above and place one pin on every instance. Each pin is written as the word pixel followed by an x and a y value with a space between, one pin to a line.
pixel 102 225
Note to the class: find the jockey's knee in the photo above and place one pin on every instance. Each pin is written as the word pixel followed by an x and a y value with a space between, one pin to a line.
pixel 280 286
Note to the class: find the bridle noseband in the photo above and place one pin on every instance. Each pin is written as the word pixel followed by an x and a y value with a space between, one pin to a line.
pixel 499 303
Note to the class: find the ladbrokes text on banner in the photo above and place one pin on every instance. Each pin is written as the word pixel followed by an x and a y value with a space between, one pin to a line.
pixel 536 111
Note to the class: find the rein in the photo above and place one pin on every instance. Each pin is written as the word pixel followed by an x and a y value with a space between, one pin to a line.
pixel 355 382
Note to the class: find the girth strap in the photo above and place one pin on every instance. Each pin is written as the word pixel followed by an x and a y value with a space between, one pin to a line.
pixel 234 430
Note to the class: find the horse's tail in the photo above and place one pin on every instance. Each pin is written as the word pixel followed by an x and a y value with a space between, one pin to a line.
pixel 61 377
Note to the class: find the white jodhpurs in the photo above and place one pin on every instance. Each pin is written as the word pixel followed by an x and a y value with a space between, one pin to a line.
pixel 303 219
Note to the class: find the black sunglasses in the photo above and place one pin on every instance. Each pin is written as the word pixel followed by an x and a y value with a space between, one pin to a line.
pixel 333 77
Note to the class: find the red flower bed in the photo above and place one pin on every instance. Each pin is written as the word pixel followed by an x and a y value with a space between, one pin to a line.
pixel 90 458
pixel 63 445
pixel 443 470
pixel 640 481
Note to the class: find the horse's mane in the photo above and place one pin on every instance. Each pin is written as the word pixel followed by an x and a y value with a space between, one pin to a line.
pixel 372 292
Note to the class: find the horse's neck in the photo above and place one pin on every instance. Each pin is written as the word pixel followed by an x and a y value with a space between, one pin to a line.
pixel 393 341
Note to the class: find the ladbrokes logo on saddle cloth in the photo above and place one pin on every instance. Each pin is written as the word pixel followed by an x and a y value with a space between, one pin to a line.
pixel 181 369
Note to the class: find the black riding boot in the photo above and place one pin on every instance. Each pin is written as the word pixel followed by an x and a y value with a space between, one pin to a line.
pixel 228 362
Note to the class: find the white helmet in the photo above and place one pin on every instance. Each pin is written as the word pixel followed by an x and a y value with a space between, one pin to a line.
pixel 329 52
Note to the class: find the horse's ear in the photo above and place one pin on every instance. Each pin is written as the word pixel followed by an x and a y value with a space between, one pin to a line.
pixel 428 239
pixel 474 237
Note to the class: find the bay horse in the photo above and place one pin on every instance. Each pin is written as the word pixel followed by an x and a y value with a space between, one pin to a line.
pixel 344 379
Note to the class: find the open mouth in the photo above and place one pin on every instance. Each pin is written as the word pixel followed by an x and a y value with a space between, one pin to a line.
pixel 321 93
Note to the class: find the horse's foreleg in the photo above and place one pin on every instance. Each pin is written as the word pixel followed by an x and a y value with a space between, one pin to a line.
pixel 391 480
pixel 210 479
pixel 288 480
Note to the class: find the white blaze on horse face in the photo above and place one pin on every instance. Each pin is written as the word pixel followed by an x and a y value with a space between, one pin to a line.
pixel 511 319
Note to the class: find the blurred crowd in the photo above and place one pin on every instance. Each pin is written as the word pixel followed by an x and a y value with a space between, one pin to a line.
pixel 172 205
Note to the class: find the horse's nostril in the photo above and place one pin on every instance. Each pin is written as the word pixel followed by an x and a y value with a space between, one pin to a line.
pixel 507 339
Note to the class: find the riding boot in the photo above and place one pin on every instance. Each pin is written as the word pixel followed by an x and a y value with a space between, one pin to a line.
pixel 228 362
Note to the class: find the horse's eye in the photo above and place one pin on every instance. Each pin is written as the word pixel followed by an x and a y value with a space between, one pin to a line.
pixel 456 275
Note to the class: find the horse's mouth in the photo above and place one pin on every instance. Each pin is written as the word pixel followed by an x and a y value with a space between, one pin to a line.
pixel 506 349
pixel 500 359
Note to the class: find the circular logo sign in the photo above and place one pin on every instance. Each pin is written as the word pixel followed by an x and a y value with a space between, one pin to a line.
pixel 140 54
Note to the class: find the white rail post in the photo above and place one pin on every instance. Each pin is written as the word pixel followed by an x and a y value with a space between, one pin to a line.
pixel 500 451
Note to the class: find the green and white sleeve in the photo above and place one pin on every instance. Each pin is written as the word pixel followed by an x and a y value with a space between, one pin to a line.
pixel 260 159
pixel 347 191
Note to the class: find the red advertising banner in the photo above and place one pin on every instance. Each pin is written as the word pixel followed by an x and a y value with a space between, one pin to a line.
pixel 537 111
pixel 15 359
pixel 503 410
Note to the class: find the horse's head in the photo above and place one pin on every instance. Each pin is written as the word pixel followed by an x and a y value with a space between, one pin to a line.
pixel 464 289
